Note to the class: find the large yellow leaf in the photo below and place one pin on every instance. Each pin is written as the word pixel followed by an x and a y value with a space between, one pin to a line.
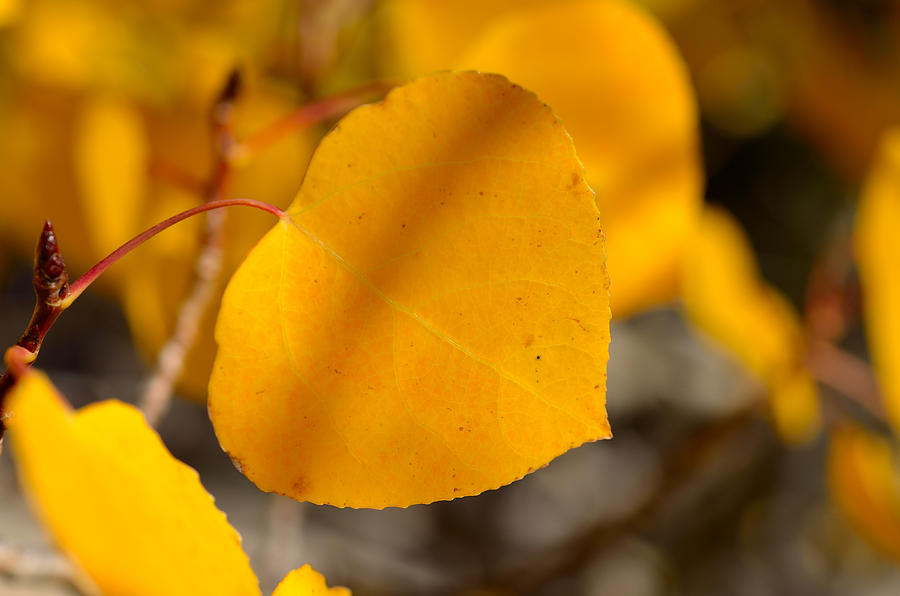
pixel 878 255
pixel 618 83
pixel 862 474
pixel 431 320
pixel 725 296
pixel 128 514
pixel 306 581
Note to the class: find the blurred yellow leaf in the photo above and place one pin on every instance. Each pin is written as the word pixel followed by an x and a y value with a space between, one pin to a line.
pixel 133 518
pixel 9 11
pixel 111 170
pixel 878 255
pixel 82 44
pixel 306 581
pixel 38 135
pixel 431 321
pixel 618 83
pixel 158 51
pixel 422 36
pixel 862 474
pixel 725 297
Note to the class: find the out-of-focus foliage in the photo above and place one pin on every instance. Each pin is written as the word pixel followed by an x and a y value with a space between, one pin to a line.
pixel 104 96
pixel 862 473
pixel 431 321
pixel 830 69
pixel 111 167
pixel 9 11
pixel 133 519
pixel 65 56
pixel 878 258
pixel 862 465
pixel 725 296
pixel 603 66
pixel 158 52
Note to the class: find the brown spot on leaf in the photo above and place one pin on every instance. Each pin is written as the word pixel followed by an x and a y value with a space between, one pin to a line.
pixel 576 180
pixel 300 486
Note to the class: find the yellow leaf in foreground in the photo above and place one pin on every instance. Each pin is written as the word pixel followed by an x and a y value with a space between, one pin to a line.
pixel 133 519
pixel 878 255
pixel 306 581
pixel 725 297
pixel 862 473
pixel 432 319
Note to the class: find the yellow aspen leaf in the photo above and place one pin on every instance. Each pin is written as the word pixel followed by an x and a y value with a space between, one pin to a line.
pixel 618 83
pixel 111 170
pixel 878 254
pixel 862 474
pixel 725 296
pixel 306 581
pixel 431 320
pixel 130 516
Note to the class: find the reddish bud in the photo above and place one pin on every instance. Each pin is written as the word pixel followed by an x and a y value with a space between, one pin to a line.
pixel 51 278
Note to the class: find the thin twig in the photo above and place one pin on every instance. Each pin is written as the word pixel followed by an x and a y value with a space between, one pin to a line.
pixel 847 374
pixel 285 548
pixel 32 563
pixel 81 284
